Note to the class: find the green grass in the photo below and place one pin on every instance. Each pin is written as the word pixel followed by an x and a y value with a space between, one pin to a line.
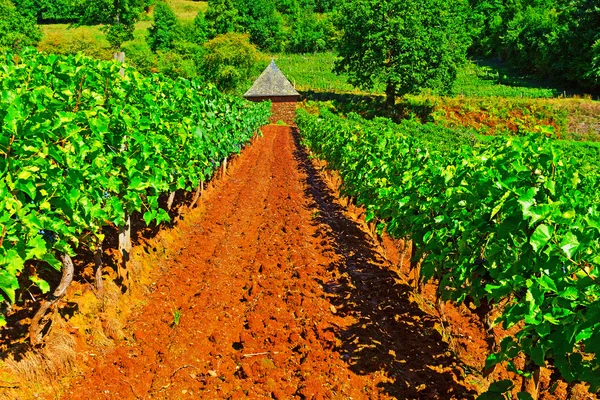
pixel 92 41
pixel 313 72
pixel 488 96
pixel 475 79
pixel 489 79
pixel 187 10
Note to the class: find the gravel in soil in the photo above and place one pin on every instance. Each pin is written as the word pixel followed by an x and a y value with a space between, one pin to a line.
pixel 272 292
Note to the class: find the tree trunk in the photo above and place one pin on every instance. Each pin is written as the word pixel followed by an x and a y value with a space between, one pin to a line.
pixel 390 95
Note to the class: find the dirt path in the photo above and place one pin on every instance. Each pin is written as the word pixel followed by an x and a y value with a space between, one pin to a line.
pixel 279 295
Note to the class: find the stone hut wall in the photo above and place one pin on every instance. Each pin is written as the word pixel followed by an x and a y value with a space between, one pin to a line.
pixel 283 108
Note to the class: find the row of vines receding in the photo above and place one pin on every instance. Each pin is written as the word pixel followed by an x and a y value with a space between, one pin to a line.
pixel 509 224
pixel 83 147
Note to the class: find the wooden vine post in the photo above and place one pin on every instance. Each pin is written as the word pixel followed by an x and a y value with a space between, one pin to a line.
pixel 98 265
pixel 170 200
pixel 199 192
pixel 124 231
pixel 532 385
pixel 120 56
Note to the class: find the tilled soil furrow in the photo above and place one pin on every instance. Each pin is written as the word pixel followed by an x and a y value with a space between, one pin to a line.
pixel 246 306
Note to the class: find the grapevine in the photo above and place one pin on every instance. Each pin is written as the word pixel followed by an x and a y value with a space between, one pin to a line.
pixel 503 220
pixel 82 147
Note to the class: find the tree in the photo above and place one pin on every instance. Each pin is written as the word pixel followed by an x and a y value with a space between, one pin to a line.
pixel 579 43
pixel 325 5
pixel 117 16
pixel 261 20
pixel 307 34
pixel 221 17
pixel 530 39
pixel 200 29
pixel 162 32
pixel 230 60
pixel 47 10
pixel 16 30
pixel 405 45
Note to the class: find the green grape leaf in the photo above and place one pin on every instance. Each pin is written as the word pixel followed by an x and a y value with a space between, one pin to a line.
pixel 541 236
pixel 569 244
pixel 40 283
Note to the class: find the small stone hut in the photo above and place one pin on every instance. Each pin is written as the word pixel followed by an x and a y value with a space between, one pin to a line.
pixel 273 85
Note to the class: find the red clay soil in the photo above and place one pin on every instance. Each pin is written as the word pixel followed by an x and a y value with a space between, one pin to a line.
pixel 274 293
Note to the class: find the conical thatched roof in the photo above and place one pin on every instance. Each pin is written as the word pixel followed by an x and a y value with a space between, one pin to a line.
pixel 271 82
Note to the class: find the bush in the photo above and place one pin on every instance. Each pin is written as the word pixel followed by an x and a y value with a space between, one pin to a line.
pixel 230 60
pixel 260 19
pixel 75 43
pixel 174 65
pixel 141 57
pixel 162 32
pixel 16 31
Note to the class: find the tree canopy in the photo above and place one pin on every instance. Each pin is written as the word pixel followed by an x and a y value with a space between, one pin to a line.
pixel 117 16
pixel 557 39
pixel 221 17
pixel 162 32
pixel 16 30
pixel 406 45
pixel 260 19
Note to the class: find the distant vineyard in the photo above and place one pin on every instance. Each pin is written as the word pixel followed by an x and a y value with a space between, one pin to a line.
pixel 82 147
pixel 512 223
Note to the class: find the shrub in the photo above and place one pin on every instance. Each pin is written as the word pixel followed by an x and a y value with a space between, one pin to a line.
pixel 140 56
pixel 230 60
pixel 74 43
pixel 221 17
pixel 174 65
pixel 16 31
pixel 162 32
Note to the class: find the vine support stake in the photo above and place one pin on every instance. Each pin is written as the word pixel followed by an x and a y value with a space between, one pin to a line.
pixel 224 167
pixel 532 385
pixel 98 263
pixel 170 200
pixel 415 265
pixel 199 191
pixel 120 56
pixel 124 246
pixel 67 277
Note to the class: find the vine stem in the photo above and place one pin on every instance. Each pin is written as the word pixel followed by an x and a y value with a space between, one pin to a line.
pixel 67 277
pixel 199 191
pixel 98 263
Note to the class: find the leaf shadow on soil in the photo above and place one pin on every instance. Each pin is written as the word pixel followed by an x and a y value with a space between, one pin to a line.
pixel 390 333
